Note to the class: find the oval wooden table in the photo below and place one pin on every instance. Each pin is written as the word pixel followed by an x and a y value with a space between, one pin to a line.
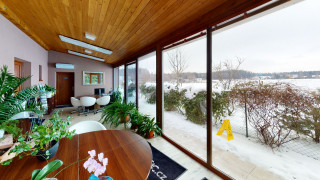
pixel 129 155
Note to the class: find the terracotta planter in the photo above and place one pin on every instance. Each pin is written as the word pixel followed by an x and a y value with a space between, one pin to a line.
pixel 150 135
pixel 125 119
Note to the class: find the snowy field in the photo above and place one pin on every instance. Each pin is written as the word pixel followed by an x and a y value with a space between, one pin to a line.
pixel 289 162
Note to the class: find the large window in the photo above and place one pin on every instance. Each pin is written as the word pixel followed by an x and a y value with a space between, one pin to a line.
pixel 270 68
pixel 92 78
pixel 121 80
pixel 147 84
pixel 131 83
pixel 265 90
pixel 184 84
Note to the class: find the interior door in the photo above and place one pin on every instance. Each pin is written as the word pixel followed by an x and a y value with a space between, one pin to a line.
pixel 18 71
pixel 65 87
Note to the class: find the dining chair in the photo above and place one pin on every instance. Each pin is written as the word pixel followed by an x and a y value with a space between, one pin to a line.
pixel 87 102
pixel 102 101
pixel 87 126
pixel 76 103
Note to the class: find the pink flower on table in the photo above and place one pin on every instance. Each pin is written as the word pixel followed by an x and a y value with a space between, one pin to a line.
pixel 92 153
pixel 94 166
pixel 100 170
pixel 105 161
pixel 90 164
pixel 100 157
pixel 86 164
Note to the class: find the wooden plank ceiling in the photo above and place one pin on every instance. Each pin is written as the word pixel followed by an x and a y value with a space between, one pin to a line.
pixel 124 26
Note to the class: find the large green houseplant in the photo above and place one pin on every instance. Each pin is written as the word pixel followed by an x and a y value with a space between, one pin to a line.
pixel 117 113
pixel 12 101
pixel 49 90
pixel 44 137
pixel 149 127
pixel 115 96
pixel 137 119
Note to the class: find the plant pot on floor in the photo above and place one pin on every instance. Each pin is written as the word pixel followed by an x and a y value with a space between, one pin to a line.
pixel 52 150
pixel 125 119
pixel 150 135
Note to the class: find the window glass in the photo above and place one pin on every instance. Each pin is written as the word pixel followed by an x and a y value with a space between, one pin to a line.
pixel 92 78
pixel 269 67
pixel 121 80
pixel 184 84
pixel 147 84
pixel 131 83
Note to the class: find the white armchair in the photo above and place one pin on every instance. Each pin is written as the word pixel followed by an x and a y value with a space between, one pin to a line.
pixel 87 102
pixel 87 126
pixel 76 103
pixel 102 101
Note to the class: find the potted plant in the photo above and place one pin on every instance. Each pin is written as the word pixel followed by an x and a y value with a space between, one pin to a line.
pixel 45 139
pixel 11 127
pixel 95 164
pixel 135 117
pixel 13 102
pixel 49 90
pixel 149 128
pixel 117 113
pixel 115 96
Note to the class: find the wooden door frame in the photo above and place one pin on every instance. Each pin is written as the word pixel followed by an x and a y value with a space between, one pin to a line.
pixel 19 63
pixel 57 84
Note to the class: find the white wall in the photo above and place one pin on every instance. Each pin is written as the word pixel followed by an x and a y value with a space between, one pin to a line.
pixel 16 44
pixel 80 65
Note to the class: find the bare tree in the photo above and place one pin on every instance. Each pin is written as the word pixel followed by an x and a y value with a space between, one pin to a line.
pixel 227 71
pixel 178 63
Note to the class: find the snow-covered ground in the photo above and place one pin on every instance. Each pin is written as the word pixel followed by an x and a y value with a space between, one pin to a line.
pixel 286 162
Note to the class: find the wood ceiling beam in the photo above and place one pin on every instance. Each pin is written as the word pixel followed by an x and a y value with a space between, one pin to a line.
pixel 6 12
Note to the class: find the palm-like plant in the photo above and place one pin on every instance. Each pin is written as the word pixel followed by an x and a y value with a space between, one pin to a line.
pixel 11 100
pixel 117 113
pixel 149 126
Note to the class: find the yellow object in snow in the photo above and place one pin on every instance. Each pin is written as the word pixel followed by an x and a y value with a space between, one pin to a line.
pixel 226 125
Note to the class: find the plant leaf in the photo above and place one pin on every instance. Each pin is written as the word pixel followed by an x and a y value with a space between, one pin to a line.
pixel 7 162
pixel 51 166
pixel 35 173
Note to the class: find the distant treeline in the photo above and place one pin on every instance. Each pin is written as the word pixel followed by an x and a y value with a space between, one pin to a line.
pixel 242 74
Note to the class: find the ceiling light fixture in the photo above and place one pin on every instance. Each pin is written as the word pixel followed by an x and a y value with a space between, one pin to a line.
pixel 90 36
pixel 87 51
pixel 84 45
pixel 86 56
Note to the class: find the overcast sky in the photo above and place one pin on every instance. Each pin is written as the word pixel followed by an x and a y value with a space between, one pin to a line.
pixel 285 40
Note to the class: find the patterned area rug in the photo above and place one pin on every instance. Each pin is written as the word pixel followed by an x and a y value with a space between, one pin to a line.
pixel 163 167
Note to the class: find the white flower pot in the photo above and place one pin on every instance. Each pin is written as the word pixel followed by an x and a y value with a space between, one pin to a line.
pixel 1 133
pixel 49 94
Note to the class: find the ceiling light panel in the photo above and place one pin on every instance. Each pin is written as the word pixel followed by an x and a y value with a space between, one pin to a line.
pixel 90 36
pixel 86 56
pixel 87 51
pixel 84 45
